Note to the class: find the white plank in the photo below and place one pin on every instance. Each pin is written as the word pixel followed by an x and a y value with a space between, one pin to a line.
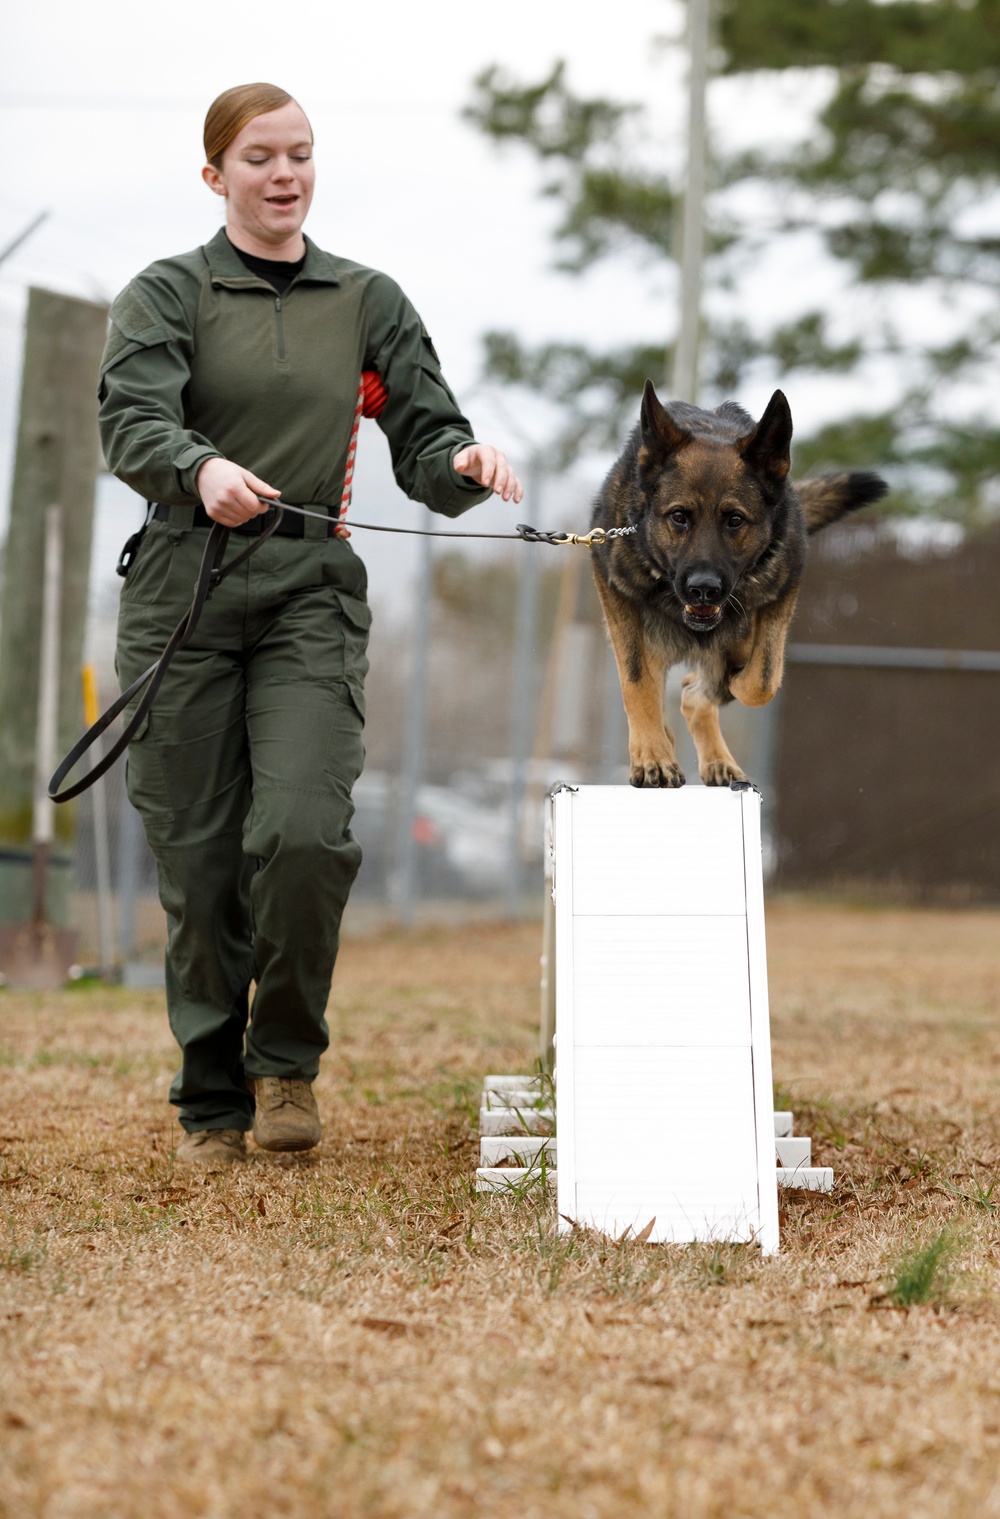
pixel 647 981
pixel 656 852
pixel 810 1178
pixel 509 1178
pixel 790 1154
pixel 515 1120
pixel 784 1122
pixel 793 1152
pixel 504 1178
pixel 525 1149
pixel 515 1097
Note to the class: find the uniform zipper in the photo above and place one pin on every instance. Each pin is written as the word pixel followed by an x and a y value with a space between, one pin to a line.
pixel 280 325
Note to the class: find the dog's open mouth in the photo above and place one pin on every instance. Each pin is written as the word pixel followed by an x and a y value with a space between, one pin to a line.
pixel 703 618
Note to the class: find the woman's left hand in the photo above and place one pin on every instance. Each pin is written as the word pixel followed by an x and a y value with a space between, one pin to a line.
pixel 488 466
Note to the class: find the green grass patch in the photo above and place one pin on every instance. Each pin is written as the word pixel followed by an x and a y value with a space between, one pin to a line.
pixel 922 1276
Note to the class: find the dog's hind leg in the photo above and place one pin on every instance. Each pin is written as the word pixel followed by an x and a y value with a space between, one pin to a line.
pixel 758 680
pixel 716 765
pixel 642 671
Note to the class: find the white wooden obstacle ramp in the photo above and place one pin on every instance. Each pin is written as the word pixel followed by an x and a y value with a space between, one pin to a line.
pixel 664 1096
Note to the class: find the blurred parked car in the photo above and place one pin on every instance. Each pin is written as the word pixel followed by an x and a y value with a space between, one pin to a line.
pixel 461 831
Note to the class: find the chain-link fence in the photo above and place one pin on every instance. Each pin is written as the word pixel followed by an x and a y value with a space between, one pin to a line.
pixel 491 678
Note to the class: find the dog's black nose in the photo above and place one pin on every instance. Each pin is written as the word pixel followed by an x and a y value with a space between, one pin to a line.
pixel 703 588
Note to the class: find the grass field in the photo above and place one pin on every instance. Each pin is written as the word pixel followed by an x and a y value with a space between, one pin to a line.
pixel 358 1333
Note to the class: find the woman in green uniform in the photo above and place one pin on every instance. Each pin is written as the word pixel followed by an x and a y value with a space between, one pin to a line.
pixel 232 373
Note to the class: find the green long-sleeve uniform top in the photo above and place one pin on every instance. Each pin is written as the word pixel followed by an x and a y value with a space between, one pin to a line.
pixel 204 359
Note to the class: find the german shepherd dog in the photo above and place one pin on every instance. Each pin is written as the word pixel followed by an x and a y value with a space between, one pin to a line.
pixel 709 574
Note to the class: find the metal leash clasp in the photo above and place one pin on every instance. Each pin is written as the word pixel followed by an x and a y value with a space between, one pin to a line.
pixel 596 536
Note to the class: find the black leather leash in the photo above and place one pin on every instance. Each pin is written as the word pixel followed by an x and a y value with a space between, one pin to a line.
pixel 211 573
pixel 522 534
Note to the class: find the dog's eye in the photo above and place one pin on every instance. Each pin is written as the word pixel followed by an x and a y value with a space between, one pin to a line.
pixel 679 518
pixel 735 521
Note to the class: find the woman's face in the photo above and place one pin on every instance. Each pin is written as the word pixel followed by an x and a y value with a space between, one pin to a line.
pixel 267 179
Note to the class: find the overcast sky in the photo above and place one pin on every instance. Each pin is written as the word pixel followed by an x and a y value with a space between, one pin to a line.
pixel 107 103
pixel 103 105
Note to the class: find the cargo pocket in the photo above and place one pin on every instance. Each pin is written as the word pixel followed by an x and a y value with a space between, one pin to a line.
pixel 357 619
pixel 146 783
pixel 153 576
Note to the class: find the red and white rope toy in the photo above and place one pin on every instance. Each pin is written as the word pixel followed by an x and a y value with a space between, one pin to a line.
pixel 371 399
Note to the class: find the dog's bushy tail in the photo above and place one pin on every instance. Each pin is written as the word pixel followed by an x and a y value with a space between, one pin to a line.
pixel 827 498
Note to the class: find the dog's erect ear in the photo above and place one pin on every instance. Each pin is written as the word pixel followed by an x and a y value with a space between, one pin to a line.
pixel 660 434
pixel 767 451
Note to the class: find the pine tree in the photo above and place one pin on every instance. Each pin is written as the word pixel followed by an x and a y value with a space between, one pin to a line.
pixel 897 179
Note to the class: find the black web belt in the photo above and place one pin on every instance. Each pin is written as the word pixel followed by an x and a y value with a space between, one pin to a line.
pixel 288 526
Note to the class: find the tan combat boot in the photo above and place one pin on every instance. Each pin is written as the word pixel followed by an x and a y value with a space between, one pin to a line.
pixel 212 1147
pixel 286 1117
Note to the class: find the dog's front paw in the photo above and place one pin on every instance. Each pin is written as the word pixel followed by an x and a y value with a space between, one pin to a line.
pixel 721 773
pixel 655 770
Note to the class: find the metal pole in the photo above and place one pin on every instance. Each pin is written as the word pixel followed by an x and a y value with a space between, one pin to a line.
pixel 102 856
pixel 413 742
pixel 879 658
pixel 569 582
pixel 129 849
pixel 522 714
pixel 684 378
pixel 769 718
pixel 48 701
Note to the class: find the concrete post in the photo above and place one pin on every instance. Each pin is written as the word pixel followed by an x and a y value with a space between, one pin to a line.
pixel 57 461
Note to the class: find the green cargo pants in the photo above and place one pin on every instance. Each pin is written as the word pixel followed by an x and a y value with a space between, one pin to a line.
pixel 242 775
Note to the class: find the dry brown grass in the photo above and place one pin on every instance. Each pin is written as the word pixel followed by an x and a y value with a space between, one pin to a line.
pixel 365 1336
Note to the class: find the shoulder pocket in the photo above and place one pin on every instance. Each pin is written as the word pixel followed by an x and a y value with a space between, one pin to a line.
pixel 134 325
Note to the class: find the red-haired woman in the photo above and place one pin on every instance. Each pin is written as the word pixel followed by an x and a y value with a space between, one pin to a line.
pixel 232 372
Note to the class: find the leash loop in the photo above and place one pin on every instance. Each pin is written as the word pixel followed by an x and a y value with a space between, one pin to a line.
pixel 211 573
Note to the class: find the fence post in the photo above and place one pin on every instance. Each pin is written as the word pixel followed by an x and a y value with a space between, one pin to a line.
pixel 405 876
pixel 522 704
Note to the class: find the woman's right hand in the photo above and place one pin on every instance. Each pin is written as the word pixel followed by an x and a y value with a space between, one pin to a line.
pixel 229 493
